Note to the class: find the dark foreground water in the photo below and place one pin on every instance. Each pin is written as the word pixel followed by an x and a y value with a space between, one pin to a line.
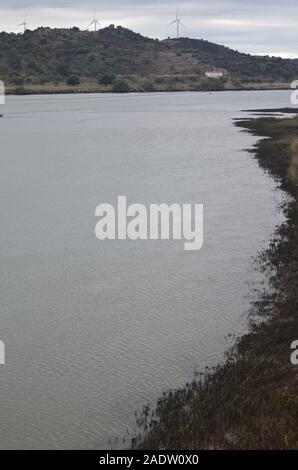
pixel 95 329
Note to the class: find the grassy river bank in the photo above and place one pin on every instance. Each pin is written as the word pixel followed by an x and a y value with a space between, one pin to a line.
pixel 250 401
pixel 144 85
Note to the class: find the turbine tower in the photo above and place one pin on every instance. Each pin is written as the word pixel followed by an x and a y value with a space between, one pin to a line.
pixel 178 22
pixel 25 24
pixel 94 22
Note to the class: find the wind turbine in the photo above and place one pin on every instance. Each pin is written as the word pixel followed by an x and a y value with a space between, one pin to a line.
pixel 25 24
pixel 95 22
pixel 179 23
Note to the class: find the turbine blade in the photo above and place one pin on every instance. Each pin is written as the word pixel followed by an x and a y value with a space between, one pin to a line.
pixel 92 22
pixel 175 21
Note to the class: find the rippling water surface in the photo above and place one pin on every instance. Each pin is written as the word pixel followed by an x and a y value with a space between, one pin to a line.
pixel 95 329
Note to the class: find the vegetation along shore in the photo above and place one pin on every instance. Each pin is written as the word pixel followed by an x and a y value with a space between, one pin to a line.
pixel 250 401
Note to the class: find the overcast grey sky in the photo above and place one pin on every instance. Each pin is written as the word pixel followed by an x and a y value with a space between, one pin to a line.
pixel 254 26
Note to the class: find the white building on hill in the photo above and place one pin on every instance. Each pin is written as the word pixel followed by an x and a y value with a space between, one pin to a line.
pixel 216 74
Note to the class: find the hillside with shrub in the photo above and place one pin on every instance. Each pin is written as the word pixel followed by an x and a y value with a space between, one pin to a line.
pixel 70 57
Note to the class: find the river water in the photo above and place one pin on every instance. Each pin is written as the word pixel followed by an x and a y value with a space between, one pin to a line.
pixel 93 330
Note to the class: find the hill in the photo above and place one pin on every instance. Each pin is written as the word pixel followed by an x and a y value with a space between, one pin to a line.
pixel 46 59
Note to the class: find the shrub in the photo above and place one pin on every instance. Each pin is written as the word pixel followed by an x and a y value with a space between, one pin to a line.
pixel 106 79
pixel 147 84
pixel 62 69
pixel 18 81
pixel 20 90
pixel 73 80
pixel 120 86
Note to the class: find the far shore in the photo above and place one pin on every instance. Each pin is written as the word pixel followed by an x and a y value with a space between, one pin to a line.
pixel 135 87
